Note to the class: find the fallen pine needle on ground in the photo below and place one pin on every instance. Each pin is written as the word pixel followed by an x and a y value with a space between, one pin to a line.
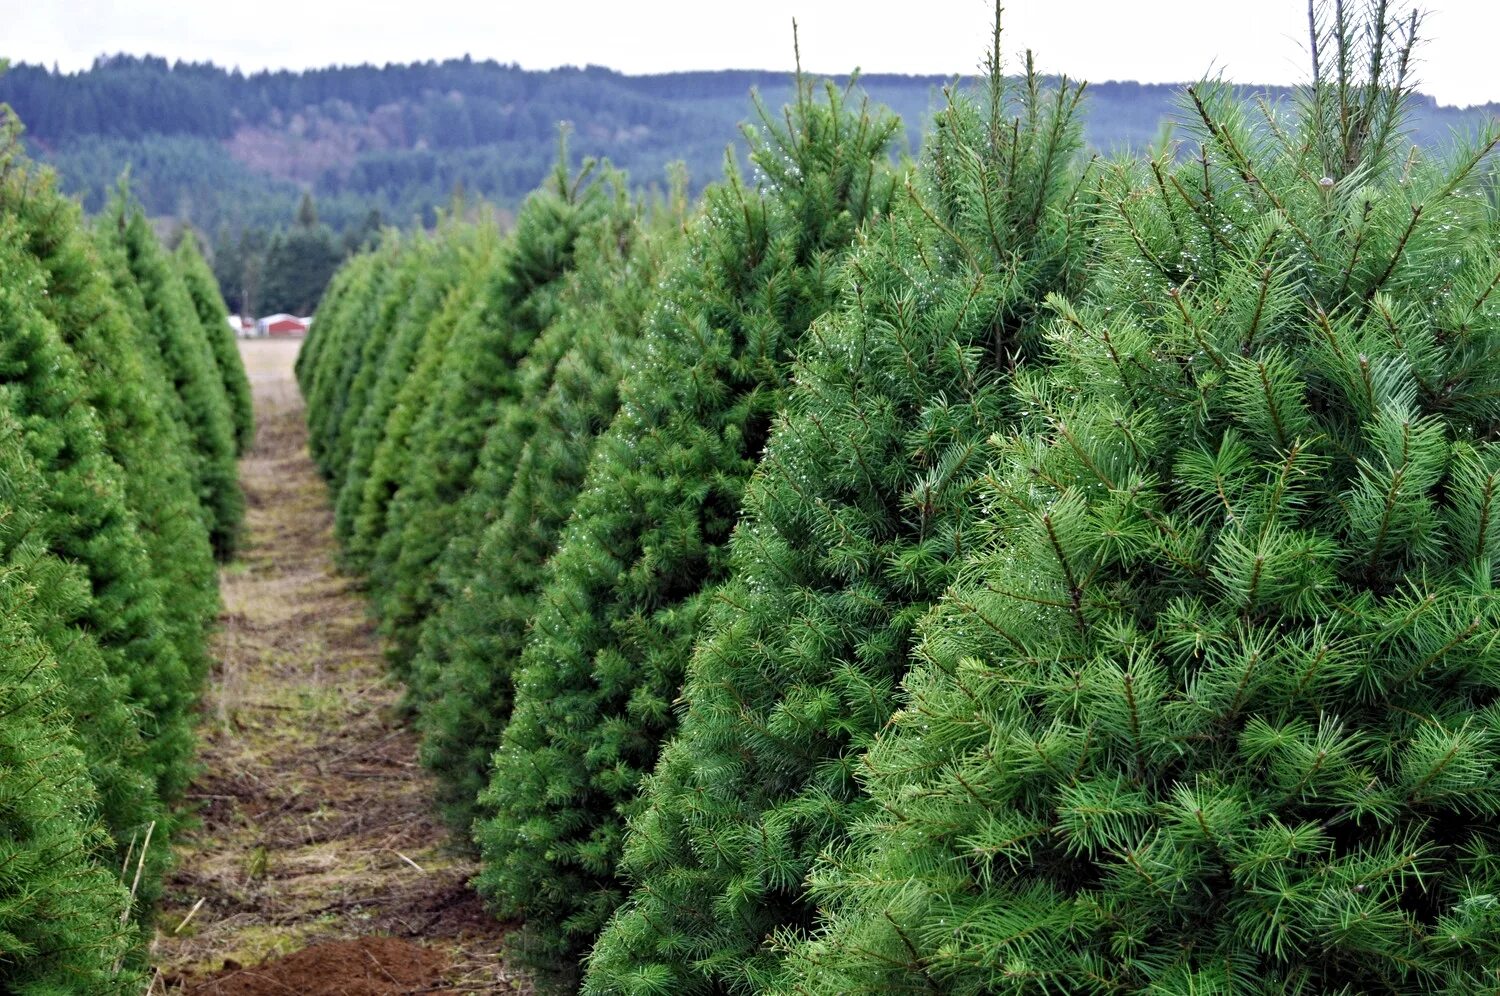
pixel 317 866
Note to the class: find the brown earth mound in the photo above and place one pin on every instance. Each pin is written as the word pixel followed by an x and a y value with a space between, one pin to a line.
pixel 366 966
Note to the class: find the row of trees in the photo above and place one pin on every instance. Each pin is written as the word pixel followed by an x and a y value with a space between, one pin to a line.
pixel 123 405
pixel 1010 574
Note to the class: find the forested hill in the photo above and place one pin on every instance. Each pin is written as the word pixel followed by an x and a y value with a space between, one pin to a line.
pixel 222 147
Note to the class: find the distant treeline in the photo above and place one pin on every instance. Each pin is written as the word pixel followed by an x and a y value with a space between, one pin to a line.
pixel 220 146
pixel 234 153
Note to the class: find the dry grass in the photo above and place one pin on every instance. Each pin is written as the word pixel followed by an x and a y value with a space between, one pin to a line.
pixel 315 818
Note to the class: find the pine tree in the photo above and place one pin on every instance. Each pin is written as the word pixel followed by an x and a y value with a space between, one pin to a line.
pixel 328 361
pixel 96 301
pixel 170 588
pixel 61 906
pixel 856 520
pixel 1211 709
pixel 398 463
pixel 537 453
pixel 213 315
pixel 460 464
pixel 201 406
pixel 646 540
pixel 359 373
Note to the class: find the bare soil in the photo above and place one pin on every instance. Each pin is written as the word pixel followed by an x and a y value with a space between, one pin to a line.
pixel 317 866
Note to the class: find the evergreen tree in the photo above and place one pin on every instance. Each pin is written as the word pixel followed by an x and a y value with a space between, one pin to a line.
pixel 855 521
pixel 80 515
pixel 60 904
pixel 360 370
pixel 1212 708
pixel 326 362
pixel 213 315
pixel 173 585
pixel 98 303
pixel 366 493
pixel 646 540
pixel 396 467
pixel 201 404
pixel 482 383
pixel 567 395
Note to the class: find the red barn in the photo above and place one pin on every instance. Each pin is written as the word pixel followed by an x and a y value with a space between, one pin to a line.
pixel 283 325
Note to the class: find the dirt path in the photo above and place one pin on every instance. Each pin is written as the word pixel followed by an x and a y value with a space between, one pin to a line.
pixel 317 839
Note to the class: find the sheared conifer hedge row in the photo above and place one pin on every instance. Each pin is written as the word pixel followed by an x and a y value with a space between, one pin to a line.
pixel 1013 572
pixel 117 486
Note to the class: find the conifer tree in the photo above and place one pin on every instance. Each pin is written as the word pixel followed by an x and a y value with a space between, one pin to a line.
pixel 1212 706
pixel 328 360
pixel 201 404
pixel 360 372
pixel 213 315
pixel 646 540
pixel 460 464
pixel 61 905
pixel 98 303
pixel 365 494
pixel 168 588
pixel 567 395
pixel 856 520
pixel 397 466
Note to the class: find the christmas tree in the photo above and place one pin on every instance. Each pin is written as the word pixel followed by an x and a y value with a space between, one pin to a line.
pixel 213 315
pixel 61 905
pixel 1212 705
pixel 645 544
pixel 466 254
pixel 446 498
pixel 329 358
pixel 429 272
pixel 187 359
pixel 530 472
pixel 856 520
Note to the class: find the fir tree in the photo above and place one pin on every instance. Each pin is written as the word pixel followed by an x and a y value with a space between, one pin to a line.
pixel 397 465
pixel 855 521
pixel 201 404
pixel 567 395
pixel 371 337
pixel 173 585
pixel 213 315
pixel 483 384
pixel 328 361
pixel 97 302
pixel 61 906
pixel 1212 708
pixel 646 540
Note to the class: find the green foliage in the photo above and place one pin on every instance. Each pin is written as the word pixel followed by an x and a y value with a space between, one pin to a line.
pixel 213 315
pixel 531 470
pixel 370 483
pixel 61 908
pixel 364 364
pixel 109 586
pixel 201 405
pixel 855 521
pixel 483 406
pixel 1211 708
pixel 645 544
pixel 344 324
pixel 401 458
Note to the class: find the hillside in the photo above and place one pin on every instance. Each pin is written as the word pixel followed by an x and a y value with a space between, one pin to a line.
pixel 224 148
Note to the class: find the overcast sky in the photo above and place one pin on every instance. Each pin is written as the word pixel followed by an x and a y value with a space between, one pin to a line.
pixel 1251 41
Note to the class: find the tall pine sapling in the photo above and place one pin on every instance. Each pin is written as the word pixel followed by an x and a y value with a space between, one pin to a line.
pixel 856 520
pixel 646 541
pixel 1213 707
